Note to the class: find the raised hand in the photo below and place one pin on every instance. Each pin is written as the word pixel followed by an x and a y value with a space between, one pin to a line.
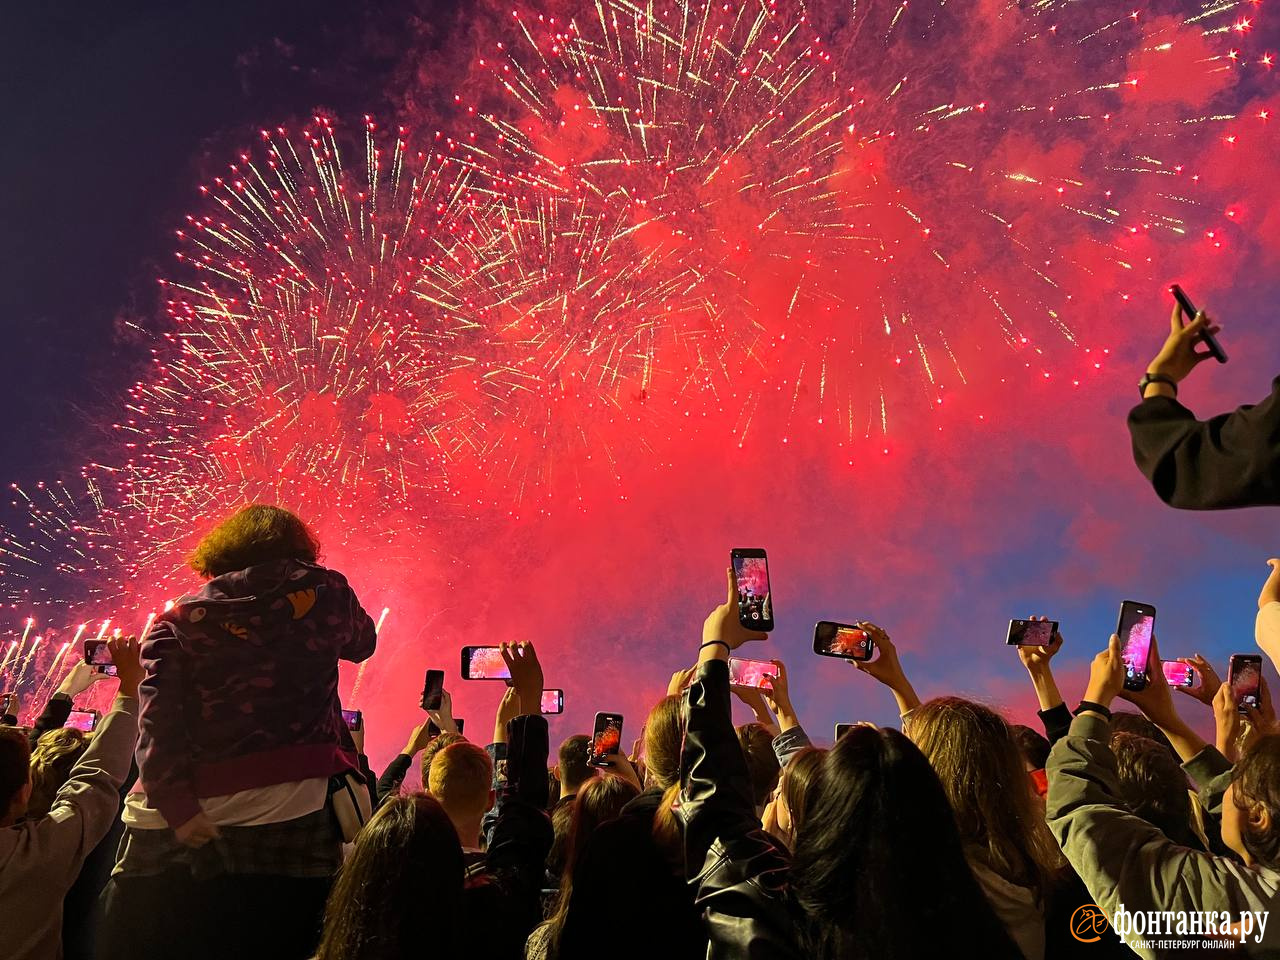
pixel 1209 680
pixel 887 668
pixel 723 626
pixel 126 655
pixel 1106 674
pixel 442 717
pixel 1179 356
pixel 526 675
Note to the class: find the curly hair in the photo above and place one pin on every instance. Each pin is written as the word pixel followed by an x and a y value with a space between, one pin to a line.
pixel 259 533
pixel 1256 779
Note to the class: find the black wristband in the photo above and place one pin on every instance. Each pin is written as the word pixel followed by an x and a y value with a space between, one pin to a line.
pixel 1095 707
pixel 712 643
pixel 1150 378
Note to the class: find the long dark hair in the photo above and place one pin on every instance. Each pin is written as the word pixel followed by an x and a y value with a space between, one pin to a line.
pixel 879 870
pixel 404 876
pixel 600 800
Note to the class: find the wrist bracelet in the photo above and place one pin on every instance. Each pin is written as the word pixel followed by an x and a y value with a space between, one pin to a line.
pixel 712 643
pixel 1095 707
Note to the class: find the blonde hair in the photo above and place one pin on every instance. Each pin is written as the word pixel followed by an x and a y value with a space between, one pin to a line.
pixel 56 752
pixel 461 777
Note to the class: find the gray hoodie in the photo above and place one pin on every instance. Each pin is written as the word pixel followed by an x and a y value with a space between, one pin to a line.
pixel 1124 860
pixel 40 859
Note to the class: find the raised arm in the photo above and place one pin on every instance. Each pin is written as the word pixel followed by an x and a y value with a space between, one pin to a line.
pixel 887 668
pixel 1053 713
pixel 1227 461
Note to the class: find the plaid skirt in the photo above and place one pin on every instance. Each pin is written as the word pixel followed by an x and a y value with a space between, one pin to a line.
pixel 306 847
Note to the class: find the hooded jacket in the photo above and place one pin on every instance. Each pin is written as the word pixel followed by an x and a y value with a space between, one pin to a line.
pixel 242 685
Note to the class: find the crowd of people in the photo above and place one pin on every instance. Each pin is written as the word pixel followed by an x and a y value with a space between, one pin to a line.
pixel 224 808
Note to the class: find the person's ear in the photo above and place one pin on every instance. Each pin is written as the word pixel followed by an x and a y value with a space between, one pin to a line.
pixel 555 772
pixel 1259 818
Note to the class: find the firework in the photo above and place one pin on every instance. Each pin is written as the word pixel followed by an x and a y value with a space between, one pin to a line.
pixel 859 196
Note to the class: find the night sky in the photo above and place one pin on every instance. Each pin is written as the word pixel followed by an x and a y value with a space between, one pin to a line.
pixel 113 114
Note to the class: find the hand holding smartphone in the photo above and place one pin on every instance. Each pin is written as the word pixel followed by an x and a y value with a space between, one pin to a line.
pixel 1179 674
pixel 1135 628
pixel 1031 633
pixel 845 641
pixel 757 674
pixel 1245 677
pixel 606 739
pixel 98 655
pixel 755 596
pixel 1189 310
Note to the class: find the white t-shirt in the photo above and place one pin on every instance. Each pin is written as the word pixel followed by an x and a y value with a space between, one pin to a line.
pixel 248 808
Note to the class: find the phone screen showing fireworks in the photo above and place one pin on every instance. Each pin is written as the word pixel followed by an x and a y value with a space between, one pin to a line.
pixel 1245 672
pixel 752 673
pixel 1031 633
pixel 433 689
pixel 484 663
pixel 1178 674
pixel 98 655
pixel 82 720
pixel 844 640
pixel 553 701
pixel 606 739
pixel 1137 622
pixel 755 599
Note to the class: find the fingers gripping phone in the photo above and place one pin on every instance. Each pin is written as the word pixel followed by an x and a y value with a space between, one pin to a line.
pixel 755 598
pixel 606 739
pixel 484 663
pixel 433 690
pixel 1136 625
pixel 98 655
pixel 1210 341
pixel 844 640
pixel 1245 673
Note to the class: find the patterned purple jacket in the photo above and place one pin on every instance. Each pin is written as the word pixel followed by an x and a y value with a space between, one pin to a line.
pixel 242 685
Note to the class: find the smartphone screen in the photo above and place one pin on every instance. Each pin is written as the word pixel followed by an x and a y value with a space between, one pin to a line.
pixel 354 719
pixel 755 598
pixel 606 739
pixel 1245 671
pixel 553 701
pixel 484 663
pixel 98 655
pixel 1137 621
pixel 752 673
pixel 433 689
pixel 843 640
pixel 1178 674
pixel 1031 633
pixel 842 729
pixel 82 720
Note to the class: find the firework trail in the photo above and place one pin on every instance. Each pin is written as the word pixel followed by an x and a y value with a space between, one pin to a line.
pixel 852 205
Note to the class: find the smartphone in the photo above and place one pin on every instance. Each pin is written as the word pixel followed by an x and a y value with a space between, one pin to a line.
pixel 844 640
pixel 433 689
pixel 98 655
pixel 553 701
pixel 1031 633
pixel 1137 622
pixel 755 599
pixel 1245 672
pixel 354 719
pixel 1189 310
pixel 606 738
pixel 752 673
pixel 1179 674
pixel 484 663
pixel 82 720
pixel 842 729
pixel 8 704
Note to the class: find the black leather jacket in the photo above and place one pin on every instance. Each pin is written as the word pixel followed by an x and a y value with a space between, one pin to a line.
pixel 740 872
